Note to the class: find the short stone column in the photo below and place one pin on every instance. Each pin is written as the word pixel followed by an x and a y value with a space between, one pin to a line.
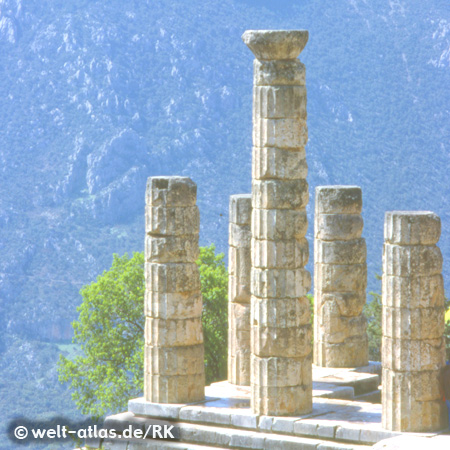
pixel 340 278
pixel 239 267
pixel 173 354
pixel 281 371
pixel 413 346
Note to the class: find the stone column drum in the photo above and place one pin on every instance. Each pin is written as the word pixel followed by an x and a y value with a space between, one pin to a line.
pixel 413 346
pixel 174 354
pixel 281 365
pixel 340 278
pixel 239 267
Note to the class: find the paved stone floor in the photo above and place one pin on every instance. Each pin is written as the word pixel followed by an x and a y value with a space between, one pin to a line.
pixel 341 418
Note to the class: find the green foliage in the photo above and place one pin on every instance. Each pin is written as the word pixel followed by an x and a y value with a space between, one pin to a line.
pixel 110 333
pixel 372 311
pixel 214 280
pixel 447 330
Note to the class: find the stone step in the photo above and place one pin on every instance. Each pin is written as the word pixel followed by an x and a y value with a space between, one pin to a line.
pixel 207 437
pixel 370 397
pixel 340 383
pixel 229 438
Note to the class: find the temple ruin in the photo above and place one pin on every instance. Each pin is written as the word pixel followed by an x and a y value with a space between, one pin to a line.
pixel 275 397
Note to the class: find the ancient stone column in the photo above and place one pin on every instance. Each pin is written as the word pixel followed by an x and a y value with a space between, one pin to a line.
pixel 281 363
pixel 413 346
pixel 340 278
pixel 174 354
pixel 239 265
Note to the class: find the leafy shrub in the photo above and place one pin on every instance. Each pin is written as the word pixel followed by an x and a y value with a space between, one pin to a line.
pixel 110 333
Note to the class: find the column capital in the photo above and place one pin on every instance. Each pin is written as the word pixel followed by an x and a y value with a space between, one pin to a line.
pixel 269 45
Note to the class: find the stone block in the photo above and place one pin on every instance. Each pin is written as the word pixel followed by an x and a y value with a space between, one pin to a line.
pixel 239 342
pixel 174 277
pixel 280 372
pixel 169 361
pixel 292 254
pixel 280 283
pixel 239 368
pixel 281 401
pixel 277 312
pixel 279 224
pixel 173 305
pixel 348 304
pixel 171 192
pixel 353 352
pixel 335 329
pixel 278 73
pixel 278 102
pixel 293 342
pixel 416 323
pixel 269 163
pixel 239 316
pixel 173 333
pixel 412 260
pixel 174 389
pixel 338 200
pixel 280 133
pixel 290 443
pixel 205 414
pixel 421 386
pixel 412 227
pixel 166 249
pixel 178 221
pixel 238 289
pixel 240 260
pixel 413 355
pixel 341 277
pixel 280 194
pixel 141 407
pixel 403 412
pixel 340 252
pixel 243 419
pixel 241 209
pixel 239 236
pixel 338 227
pixel 413 292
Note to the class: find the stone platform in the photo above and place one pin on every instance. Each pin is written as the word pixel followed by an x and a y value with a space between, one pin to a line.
pixel 342 418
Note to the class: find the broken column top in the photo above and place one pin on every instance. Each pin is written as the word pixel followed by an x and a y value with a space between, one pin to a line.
pixel 272 45
pixel 412 227
pixel 171 191
pixel 339 199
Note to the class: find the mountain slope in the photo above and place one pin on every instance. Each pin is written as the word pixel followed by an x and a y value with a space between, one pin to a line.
pixel 97 97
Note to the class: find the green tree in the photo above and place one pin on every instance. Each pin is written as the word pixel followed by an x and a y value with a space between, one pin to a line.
pixel 110 333
pixel 372 311
pixel 214 281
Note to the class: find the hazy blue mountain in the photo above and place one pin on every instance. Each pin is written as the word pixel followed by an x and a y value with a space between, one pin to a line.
pixel 97 96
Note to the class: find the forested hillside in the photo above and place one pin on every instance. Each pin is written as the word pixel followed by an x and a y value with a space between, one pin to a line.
pixel 97 96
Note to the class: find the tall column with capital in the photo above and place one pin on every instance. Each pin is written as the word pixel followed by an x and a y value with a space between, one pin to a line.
pixel 281 359
pixel 413 344
pixel 173 352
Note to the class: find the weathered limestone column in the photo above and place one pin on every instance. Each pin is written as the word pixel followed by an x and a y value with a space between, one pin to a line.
pixel 340 278
pixel 281 366
pixel 239 266
pixel 413 347
pixel 173 359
